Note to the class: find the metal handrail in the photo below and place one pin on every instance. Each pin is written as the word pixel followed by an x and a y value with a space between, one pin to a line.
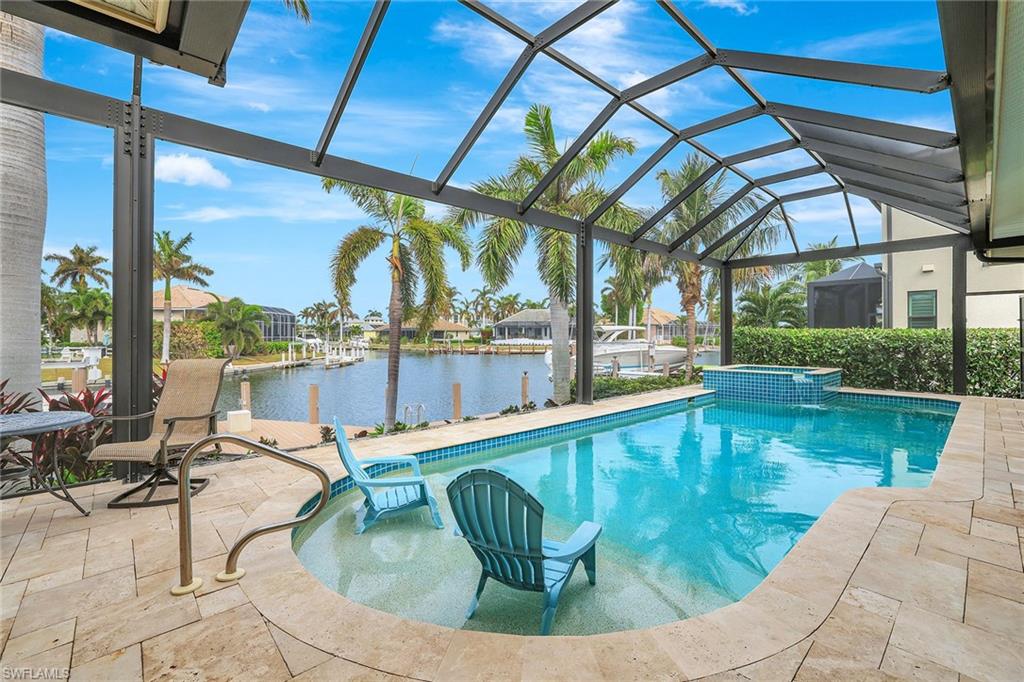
pixel 231 571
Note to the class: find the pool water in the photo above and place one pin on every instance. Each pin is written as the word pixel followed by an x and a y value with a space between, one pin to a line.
pixel 698 505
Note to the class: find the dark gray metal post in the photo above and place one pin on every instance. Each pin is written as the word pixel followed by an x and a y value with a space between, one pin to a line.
pixel 133 268
pixel 725 317
pixel 959 255
pixel 585 315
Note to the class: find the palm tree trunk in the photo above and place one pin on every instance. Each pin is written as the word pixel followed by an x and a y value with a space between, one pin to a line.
pixel 560 348
pixel 165 353
pixel 394 339
pixel 650 335
pixel 691 337
pixel 22 211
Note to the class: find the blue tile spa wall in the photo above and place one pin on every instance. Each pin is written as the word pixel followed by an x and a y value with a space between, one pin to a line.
pixel 798 386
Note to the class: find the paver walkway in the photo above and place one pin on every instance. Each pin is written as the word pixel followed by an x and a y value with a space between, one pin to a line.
pixel 925 585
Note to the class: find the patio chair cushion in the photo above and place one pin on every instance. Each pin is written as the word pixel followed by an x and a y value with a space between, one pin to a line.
pixel 145 451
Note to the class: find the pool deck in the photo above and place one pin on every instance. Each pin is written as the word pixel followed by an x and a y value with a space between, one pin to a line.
pixel 888 583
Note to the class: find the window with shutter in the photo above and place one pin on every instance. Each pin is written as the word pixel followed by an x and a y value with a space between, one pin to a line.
pixel 922 309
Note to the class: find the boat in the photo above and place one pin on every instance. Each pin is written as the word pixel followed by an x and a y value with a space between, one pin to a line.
pixel 634 355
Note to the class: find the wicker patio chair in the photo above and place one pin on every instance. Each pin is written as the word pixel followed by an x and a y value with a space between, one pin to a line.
pixel 185 413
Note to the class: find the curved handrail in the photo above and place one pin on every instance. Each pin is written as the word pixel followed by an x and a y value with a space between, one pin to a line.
pixel 231 571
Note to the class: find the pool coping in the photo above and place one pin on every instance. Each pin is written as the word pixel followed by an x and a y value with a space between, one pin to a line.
pixel 785 608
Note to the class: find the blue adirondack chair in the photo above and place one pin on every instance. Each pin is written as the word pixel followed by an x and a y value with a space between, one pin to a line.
pixel 385 496
pixel 503 524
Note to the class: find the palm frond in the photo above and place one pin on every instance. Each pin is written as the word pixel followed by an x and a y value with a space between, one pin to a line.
pixel 349 254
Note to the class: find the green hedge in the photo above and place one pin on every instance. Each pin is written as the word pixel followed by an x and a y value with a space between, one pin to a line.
pixel 608 387
pixel 895 359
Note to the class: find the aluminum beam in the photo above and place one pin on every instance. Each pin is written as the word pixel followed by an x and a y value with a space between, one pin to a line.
pixel 914 80
pixel 789 228
pixel 132 282
pixel 660 214
pixel 759 152
pixel 667 78
pixel 524 35
pixel 380 8
pixel 955 219
pixel 571 153
pixel 853 224
pixel 490 109
pixel 948 191
pixel 968 41
pixel 809 194
pixel 534 44
pixel 845 155
pixel 585 316
pixel 753 220
pixel 894 131
pixel 873 249
pixel 786 176
pixel 711 216
pixel 670 144
pixel 959 318
pixel 938 198
pixel 725 317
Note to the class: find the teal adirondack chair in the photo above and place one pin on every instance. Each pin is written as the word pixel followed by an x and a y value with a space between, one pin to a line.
pixel 503 524
pixel 385 496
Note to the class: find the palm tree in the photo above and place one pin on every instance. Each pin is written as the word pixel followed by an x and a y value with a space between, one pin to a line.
pixel 782 305
pixel 483 304
pixel 22 211
pixel 416 254
pixel 576 193
pixel 170 262
pixel 53 303
pixel 508 304
pixel 530 304
pixel 466 311
pixel 77 268
pixel 88 309
pixel 238 323
pixel 813 270
pixel 690 277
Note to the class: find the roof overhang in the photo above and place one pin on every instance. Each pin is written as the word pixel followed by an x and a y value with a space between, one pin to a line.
pixel 190 35
pixel 984 51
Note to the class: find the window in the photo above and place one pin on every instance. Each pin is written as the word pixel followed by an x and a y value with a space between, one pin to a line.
pixel 922 309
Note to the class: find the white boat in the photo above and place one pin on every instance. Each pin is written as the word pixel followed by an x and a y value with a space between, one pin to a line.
pixel 634 355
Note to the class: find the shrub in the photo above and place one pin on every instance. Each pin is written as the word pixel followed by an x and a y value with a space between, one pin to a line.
pixel 894 359
pixel 272 347
pixel 189 339
pixel 609 387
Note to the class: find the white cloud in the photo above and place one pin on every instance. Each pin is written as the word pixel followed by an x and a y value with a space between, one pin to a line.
pixel 190 170
pixel 738 6
pixel 294 202
pixel 887 38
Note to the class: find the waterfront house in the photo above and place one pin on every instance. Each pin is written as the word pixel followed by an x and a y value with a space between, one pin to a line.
pixel 532 323
pixel 664 324
pixel 442 330
pixel 188 303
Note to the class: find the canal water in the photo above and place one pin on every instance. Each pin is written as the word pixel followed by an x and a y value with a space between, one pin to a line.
pixel 355 394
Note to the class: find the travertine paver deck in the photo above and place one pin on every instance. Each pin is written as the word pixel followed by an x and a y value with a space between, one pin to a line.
pixel 923 584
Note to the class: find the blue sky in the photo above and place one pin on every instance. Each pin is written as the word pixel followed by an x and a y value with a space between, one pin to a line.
pixel 269 233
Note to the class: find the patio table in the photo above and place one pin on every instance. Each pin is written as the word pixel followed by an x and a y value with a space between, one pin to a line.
pixel 15 426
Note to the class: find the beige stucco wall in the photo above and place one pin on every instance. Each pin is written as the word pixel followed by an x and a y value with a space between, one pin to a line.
pixel 908 274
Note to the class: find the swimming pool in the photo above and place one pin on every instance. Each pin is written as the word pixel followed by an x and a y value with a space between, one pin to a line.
pixel 698 502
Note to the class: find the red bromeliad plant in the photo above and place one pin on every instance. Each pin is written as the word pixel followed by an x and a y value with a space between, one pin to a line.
pixel 74 444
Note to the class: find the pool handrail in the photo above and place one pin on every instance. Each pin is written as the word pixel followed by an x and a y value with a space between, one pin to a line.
pixel 188 583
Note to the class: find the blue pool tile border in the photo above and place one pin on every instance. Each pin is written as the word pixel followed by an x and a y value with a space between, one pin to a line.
pixel 774 383
pixel 344 484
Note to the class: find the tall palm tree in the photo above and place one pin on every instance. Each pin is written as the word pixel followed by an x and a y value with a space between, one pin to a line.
pixel 238 323
pixel 416 255
pixel 576 193
pixel 689 277
pixel 781 305
pixel 53 303
pixel 466 311
pixel 78 267
pixel 22 211
pixel 171 262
